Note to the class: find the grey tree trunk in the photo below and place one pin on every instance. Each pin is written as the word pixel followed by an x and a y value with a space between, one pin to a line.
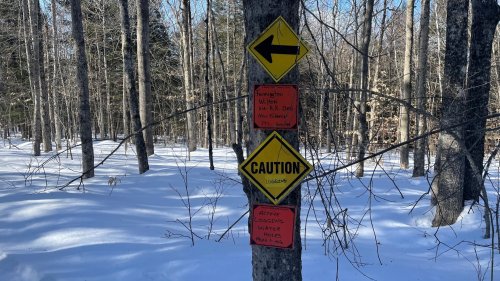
pixel 404 122
pixel 448 185
pixel 208 95
pixel 32 65
pixel 363 124
pixel 44 92
pixel 271 263
pixel 83 89
pixel 144 72
pixel 188 83
pixel 55 95
pixel 485 16
pixel 129 88
pixel 100 97
pixel 376 71
pixel 421 144
pixel 108 120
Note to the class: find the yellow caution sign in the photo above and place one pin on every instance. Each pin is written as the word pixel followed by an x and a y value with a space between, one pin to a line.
pixel 275 167
pixel 278 49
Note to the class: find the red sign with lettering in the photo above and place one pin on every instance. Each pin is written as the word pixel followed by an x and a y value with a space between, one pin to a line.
pixel 273 226
pixel 275 107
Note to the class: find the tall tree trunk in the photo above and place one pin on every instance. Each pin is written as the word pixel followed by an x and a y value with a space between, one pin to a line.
pixel 108 127
pixel 208 96
pixel 350 114
pixel 100 97
pixel 82 78
pixel 145 96
pixel 129 88
pixel 376 72
pixel 230 123
pixel 55 93
pixel 448 186
pixel 363 124
pixel 421 144
pixel 188 82
pixel 33 66
pixel 404 125
pixel 44 94
pixel 485 16
pixel 272 263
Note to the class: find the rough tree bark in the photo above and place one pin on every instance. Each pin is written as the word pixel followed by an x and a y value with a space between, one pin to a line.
pixel 144 72
pixel 188 83
pixel 447 189
pixel 32 52
pixel 44 92
pixel 108 127
pixel 271 263
pixel 55 95
pixel 421 144
pixel 376 72
pixel 83 90
pixel 129 87
pixel 208 95
pixel 363 124
pixel 485 16
pixel 404 116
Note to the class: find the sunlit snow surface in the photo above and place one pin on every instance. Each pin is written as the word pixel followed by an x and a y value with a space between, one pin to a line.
pixel 123 226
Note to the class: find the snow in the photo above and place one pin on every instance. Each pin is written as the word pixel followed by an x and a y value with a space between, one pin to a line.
pixel 123 226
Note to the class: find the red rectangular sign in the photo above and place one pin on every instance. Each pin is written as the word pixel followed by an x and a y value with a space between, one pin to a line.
pixel 273 226
pixel 275 107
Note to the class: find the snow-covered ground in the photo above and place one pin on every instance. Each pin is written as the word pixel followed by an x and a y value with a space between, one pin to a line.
pixel 123 226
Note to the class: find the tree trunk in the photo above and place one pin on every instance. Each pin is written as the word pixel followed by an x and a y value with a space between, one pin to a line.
pixel 188 83
pixel 448 186
pixel 55 95
pixel 144 72
pixel 230 123
pixel 350 115
pixel 45 110
pixel 272 264
pixel 376 72
pixel 129 88
pixel 108 121
pixel 421 144
pixel 404 125
pixel 363 125
pixel 485 16
pixel 208 96
pixel 32 50
pixel 83 89
pixel 100 98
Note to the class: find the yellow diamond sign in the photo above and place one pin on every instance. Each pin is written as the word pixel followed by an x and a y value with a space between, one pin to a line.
pixel 278 49
pixel 275 167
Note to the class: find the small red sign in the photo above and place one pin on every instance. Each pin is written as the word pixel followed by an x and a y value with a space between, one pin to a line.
pixel 273 226
pixel 275 107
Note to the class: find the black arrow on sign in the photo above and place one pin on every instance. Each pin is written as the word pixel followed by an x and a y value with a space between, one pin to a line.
pixel 266 48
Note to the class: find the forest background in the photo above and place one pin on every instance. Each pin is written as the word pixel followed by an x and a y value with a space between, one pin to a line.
pixel 380 75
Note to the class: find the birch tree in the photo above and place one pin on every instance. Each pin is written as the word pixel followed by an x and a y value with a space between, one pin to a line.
pixel 404 122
